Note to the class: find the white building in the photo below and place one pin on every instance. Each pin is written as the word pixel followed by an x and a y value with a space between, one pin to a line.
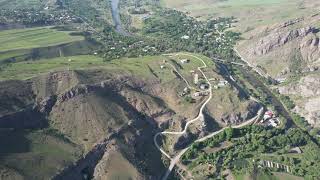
pixel 222 83
pixel 196 78
pixel 185 37
pixel 183 61
pixel 204 86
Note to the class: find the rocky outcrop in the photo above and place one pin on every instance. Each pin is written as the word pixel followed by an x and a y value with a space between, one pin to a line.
pixel 278 38
pixel 239 117
pixel 54 84
pixel 311 111
pixel 307 89
pixel 310 49
pixel 308 86
pixel 284 49
pixel 291 22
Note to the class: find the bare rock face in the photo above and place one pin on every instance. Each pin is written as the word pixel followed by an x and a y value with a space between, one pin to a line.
pixel 310 48
pixel 308 89
pixel 277 39
pixel 311 111
pixel 283 49
pixel 238 117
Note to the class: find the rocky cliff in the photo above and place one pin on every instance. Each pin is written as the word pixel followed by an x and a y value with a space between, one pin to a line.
pixel 111 113
pixel 306 94
pixel 286 48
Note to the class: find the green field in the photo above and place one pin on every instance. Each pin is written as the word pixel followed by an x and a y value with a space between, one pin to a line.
pixel 143 66
pixel 28 69
pixel 34 38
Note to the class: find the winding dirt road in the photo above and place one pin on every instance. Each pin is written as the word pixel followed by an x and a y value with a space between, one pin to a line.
pixel 176 159
pixel 200 115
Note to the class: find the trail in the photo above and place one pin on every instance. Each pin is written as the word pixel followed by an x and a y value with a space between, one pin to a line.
pixel 199 117
pixel 175 160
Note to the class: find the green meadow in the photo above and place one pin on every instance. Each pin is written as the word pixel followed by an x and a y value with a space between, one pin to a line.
pixel 34 38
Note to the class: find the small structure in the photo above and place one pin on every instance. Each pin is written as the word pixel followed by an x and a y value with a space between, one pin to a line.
pixel 270 164
pixel 186 90
pixel 186 37
pixel 198 94
pixel 184 61
pixel 273 122
pixel 267 115
pixel 281 80
pixel 222 83
pixel 162 66
pixel 204 86
pixel 196 78
pixel 295 150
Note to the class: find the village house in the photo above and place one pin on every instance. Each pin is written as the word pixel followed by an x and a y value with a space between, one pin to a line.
pixel 267 115
pixel 185 91
pixel 198 94
pixel 222 83
pixel 196 78
pixel 185 37
pixel 281 80
pixel 184 61
pixel 204 86
pixel 273 122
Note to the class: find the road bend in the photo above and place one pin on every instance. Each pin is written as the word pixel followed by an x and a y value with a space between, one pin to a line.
pixel 176 159
pixel 200 116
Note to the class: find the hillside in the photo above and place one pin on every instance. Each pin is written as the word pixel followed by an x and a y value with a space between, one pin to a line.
pixel 159 89
pixel 291 47
pixel 85 106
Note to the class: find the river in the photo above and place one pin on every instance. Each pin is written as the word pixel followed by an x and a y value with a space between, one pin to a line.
pixel 116 17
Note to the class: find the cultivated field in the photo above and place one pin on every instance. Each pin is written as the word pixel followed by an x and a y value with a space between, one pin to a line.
pixel 34 38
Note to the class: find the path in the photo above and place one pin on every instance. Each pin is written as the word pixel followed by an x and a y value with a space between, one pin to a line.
pixel 176 159
pixel 200 116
